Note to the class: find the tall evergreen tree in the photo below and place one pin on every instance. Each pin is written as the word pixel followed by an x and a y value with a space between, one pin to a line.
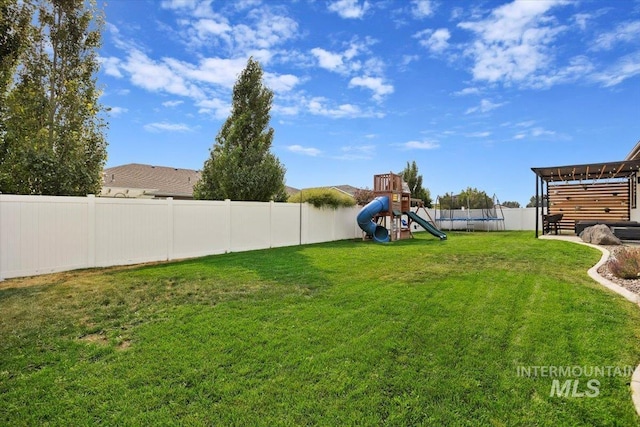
pixel 15 20
pixel 414 180
pixel 54 139
pixel 241 165
pixel 14 26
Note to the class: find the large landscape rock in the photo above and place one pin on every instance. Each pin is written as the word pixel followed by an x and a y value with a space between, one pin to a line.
pixel 599 234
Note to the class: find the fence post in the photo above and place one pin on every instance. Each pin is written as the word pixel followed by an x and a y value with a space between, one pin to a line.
pixel 271 202
pixel 306 208
pixel 169 228
pixel 91 230
pixel 228 225
pixel 334 230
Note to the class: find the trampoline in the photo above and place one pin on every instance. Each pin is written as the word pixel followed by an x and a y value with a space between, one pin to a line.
pixel 455 213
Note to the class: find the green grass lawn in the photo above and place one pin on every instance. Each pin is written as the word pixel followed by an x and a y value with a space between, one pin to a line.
pixel 417 332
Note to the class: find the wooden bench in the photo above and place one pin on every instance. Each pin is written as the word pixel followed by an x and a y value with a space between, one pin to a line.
pixel 549 221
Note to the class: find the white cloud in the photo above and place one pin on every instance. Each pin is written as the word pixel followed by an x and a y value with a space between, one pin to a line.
pixel 215 107
pixel 307 151
pixel 484 134
pixel 195 8
pixel 261 28
pixel 211 27
pixel 542 132
pixel 166 127
pixel 170 104
pixel 345 62
pixel 539 133
pixel 349 9
pixel 375 84
pixel 245 4
pixel 114 32
pixel 269 30
pixel 111 66
pixel 467 91
pixel 280 82
pixel 288 110
pixel 436 41
pixel 456 13
pixel 420 145
pixel 374 65
pixel 328 60
pixel 318 107
pixel 117 111
pixel 577 67
pixel 157 76
pixel 179 4
pixel 204 82
pixel 217 71
pixel 581 20
pixel 514 43
pixel 357 47
pixel 623 33
pixel 621 70
pixel 408 59
pixel 421 8
pixel 484 107
pixel 348 63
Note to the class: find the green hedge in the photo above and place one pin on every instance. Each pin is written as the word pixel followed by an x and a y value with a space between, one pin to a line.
pixel 323 197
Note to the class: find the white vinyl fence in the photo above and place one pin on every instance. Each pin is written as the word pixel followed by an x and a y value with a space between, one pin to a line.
pixel 521 218
pixel 514 219
pixel 44 234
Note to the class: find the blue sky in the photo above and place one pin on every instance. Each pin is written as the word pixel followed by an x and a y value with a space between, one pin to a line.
pixel 476 92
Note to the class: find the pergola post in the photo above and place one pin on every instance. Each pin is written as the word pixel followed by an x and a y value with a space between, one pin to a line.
pixel 537 203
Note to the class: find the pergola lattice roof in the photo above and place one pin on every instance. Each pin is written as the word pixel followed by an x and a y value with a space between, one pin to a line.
pixel 593 171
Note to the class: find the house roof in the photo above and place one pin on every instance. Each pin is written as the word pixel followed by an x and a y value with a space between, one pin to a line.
pixel 592 171
pixel 349 190
pixel 290 190
pixel 634 154
pixel 156 180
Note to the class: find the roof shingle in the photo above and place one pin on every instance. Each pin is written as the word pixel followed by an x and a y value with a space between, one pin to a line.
pixel 160 181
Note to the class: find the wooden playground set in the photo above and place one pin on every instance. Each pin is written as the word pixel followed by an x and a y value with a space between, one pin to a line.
pixel 383 218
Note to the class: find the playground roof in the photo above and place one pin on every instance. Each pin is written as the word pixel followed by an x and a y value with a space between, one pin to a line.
pixel 592 171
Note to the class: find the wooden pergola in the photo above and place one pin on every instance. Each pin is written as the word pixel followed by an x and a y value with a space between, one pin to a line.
pixel 590 192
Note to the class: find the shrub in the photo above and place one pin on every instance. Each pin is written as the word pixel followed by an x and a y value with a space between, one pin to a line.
pixel 364 196
pixel 626 263
pixel 323 197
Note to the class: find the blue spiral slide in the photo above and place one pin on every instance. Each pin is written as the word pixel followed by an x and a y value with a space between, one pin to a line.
pixel 365 219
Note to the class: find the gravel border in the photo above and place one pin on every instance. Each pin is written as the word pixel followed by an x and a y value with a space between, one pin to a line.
pixel 631 284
